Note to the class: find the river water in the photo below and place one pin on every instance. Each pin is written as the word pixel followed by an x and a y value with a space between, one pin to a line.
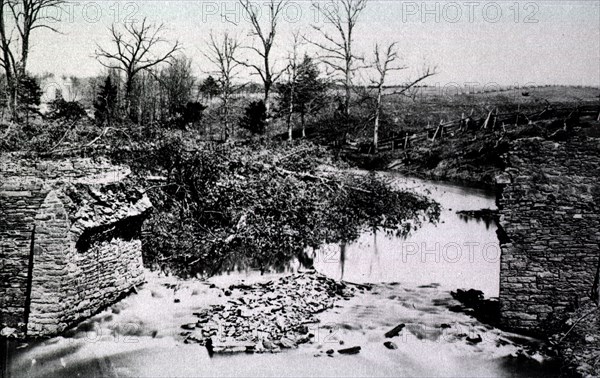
pixel 456 252
pixel 140 336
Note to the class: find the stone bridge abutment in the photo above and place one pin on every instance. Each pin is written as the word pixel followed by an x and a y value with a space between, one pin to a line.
pixel 69 241
pixel 549 210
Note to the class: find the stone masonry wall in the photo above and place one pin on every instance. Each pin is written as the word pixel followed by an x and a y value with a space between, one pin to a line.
pixel 549 211
pixel 47 280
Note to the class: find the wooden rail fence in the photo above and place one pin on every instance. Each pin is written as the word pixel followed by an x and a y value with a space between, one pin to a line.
pixel 492 121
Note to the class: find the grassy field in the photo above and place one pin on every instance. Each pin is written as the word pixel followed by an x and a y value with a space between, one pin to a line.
pixel 473 156
pixel 431 105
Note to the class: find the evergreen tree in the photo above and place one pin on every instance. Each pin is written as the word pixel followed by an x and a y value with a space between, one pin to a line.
pixel 106 102
pixel 255 117
pixel 309 91
pixel 209 87
pixel 29 94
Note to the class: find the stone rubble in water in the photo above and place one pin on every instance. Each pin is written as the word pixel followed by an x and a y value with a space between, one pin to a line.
pixel 266 317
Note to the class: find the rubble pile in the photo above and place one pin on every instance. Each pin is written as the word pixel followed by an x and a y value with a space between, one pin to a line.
pixel 266 317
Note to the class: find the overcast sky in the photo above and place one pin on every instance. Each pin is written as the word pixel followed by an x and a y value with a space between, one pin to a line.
pixel 505 42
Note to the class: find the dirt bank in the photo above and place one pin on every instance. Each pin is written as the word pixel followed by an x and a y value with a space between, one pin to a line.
pixel 473 158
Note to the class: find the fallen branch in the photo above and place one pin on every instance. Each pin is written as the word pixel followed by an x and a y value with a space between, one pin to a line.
pixel 106 129
pixel 322 179
pixel 577 322
pixel 8 129
pixel 63 137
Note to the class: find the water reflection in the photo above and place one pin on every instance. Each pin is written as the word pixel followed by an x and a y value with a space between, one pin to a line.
pixel 489 221
pixel 460 251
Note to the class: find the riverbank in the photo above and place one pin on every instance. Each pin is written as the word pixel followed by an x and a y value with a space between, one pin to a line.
pixel 473 158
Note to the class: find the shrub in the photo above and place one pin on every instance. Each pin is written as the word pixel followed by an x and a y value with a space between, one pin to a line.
pixel 67 110
pixel 260 207
pixel 255 117
pixel 191 113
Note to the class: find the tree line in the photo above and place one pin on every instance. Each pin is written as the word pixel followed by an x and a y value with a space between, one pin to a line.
pixel 149 80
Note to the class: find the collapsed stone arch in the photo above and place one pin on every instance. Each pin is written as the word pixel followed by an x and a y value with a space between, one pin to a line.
pixel 69 241
pixel 48 268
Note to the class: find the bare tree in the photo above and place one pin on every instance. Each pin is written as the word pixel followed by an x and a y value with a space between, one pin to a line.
pixel 338 45
pixel 176 84
pixel 223 54
pixel 266 37
pixel 8 61
pixel 135 52
pixel 292 72
pixel 22 17
pixel 384 63
pixel 30 15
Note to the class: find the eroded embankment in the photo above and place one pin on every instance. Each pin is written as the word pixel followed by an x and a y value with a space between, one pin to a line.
pixel 473 157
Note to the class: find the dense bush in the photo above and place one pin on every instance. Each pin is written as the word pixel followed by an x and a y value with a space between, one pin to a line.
pixel 67 110
pixel 255 117
pixel 261 207
pixel 190 114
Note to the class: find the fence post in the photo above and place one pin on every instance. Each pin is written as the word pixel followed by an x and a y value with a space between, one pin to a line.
pixel 495 120
pixel 487 120
pixel 438 130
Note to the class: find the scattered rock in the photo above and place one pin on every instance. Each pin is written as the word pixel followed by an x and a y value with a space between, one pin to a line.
pixel 473 303
pixel 395 331
pixel 270 315
pixel 268 344
pixel 8 332
pixel 474 340
pixel 303 340
pixel 353 350
pixel 302 329
pixel 390 345
pixel 286 343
